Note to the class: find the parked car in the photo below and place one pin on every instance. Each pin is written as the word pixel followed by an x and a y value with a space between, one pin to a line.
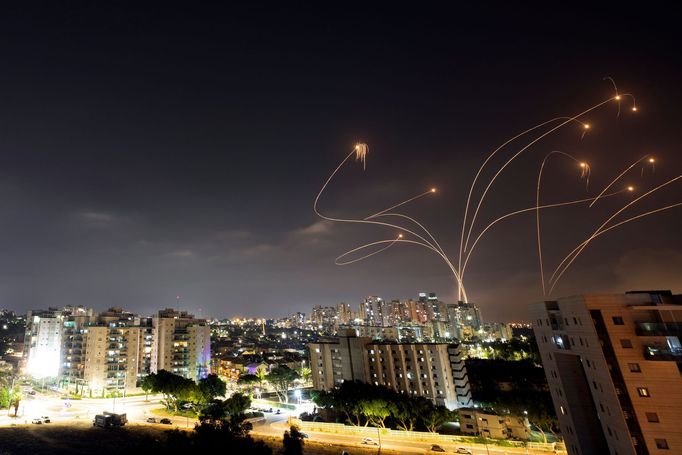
pixel 278 412
pixel 37 421
pixel 463 451
pixel 165 422
pixel 369 442
pixel 31 392
pixel 45 419
pixel 151 420
pixel 437 448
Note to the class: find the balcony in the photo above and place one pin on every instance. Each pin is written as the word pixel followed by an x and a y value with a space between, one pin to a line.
pixel 651 329
pixel 663 352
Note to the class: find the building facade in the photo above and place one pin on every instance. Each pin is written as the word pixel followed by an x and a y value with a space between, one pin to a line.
pixel 432 370
pixel 613 364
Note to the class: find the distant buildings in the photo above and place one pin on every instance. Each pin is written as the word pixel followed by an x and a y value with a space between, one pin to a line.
pixel 432 370
pixel 613 364
pixel 424 319
pixel 112 351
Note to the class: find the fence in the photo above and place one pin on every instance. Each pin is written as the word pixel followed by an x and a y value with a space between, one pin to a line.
pixel 421 436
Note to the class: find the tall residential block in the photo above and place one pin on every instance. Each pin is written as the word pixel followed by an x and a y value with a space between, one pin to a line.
pixel 432 370
pixel 182 344
pixel 613 364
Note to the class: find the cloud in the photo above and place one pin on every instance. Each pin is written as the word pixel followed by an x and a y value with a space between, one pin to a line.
pixel 96 218
pixel 318 228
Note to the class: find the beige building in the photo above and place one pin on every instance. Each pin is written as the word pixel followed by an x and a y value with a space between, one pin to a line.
pixel 491 425
pixel 181 344
pixel 432 370
pixel 613 365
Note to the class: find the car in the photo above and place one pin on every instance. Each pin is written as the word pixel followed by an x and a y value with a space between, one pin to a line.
pixel 31 392
pixel 369 442
pixel 278 412
pixel 46 419
pixel 165 422
pixel 463 451
pixel 37 421
pixel 437 448
pixel 151 420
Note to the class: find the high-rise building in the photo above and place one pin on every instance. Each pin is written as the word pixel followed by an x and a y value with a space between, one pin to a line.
pixel 613 364
pixel 181 344
pixel 43 342
pixel 344 313
pixel 432 370
pixel 464 319
pixel 372 311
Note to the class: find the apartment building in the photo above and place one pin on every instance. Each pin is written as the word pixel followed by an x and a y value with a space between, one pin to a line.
pixel 110 352
pixel 492 425
pixel 432 370
pixel 613 364
pixel 181 344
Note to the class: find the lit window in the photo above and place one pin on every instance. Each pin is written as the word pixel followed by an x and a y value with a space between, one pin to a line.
pixel 643 392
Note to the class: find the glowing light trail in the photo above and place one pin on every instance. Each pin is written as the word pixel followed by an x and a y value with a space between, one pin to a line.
pixel 557 275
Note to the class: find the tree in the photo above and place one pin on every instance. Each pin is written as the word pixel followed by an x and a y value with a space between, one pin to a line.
pixel 306 374
pixel 148 384
pixel 175 388
pixel 282 378
pixel 432 416
pixel 405 413
pixel 376 411
pixel 293 441
pixel 211 387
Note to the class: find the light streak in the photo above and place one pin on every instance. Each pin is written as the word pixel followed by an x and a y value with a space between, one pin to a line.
pixel 620 223
pixel 480 169
pixel 518 212
pixel 619 176
pixel 584 174
pixel 557 275
pixel 407 201
pixel 372 222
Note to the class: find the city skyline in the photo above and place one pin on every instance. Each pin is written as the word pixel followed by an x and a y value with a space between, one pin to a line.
pixel 156 154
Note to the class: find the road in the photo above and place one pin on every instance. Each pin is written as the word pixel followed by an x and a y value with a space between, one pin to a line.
pixel 138 409
pixel 275 425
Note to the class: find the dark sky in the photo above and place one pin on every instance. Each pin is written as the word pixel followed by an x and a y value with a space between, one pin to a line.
pixel 175 149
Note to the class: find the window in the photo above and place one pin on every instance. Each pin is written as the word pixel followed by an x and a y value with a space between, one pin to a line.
pixel 625 343
pixel 634 368
pixel 652 417
pixel 662 444
pixel 643 392
pixel 618 320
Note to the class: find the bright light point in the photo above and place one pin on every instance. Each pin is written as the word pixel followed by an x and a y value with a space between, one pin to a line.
pixel 583 164
pixel 631 188
pixel 400 236
pixel 651 160
pixel 634 108
pixel 586 126
pixel 357 147
pixel 617 97
pixel 433 190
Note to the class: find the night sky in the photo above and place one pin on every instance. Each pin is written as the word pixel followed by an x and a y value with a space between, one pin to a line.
pixel 153 151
